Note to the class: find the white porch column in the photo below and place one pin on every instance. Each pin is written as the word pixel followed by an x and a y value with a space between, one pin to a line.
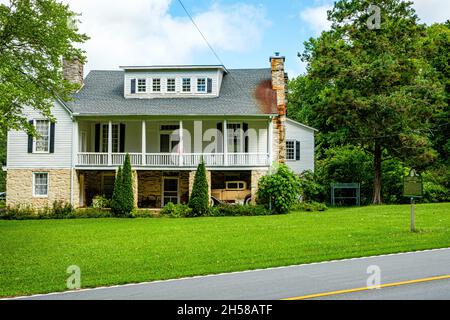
pixel 144 143
pixel 270 141
pixel 109 143
pixel 225 143
pixel 76 143
pixel 181 143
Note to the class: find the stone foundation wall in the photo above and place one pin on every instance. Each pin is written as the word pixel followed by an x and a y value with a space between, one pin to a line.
pixel 19 187
pixel 256 175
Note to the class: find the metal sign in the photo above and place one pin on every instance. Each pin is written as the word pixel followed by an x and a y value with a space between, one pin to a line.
pixel 412 185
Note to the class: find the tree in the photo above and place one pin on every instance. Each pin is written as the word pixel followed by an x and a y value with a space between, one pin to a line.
pixel 116 200
pixel 127 187
pixel 279 191
pixel 199 200
pixel 375 88
pixel 34 37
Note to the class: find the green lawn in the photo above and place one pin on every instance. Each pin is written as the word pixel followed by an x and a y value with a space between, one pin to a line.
pixel 34 255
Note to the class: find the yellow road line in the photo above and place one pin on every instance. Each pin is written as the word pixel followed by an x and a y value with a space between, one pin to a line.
pixel 387 285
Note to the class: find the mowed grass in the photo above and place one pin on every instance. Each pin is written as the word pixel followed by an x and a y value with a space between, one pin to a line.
pixel 34 255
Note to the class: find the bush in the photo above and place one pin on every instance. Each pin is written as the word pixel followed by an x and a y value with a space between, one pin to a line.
pixel 311 206
pixel 61 210
pixel 144 214
pixel 122 202
pixel 2 204
pixel 100 202
pixel 310 189
pixel 199 200
pixel 433 192
pixel 176 211
pixel 116 200
pixel 279 191
pixel 91 213
pixel 233 210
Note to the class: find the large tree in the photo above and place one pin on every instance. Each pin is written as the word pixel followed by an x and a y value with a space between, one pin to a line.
pixel 34 37
pixel 375 88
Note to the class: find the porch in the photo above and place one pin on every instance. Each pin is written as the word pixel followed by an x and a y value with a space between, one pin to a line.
pixel 174 144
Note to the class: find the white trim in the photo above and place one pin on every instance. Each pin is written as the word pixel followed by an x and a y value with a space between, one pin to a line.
pixel 206 85
pixel 49 136
pixel 301 124
pixel 34 184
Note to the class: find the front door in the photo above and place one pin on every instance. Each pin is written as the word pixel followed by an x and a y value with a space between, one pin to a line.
pixel 170 191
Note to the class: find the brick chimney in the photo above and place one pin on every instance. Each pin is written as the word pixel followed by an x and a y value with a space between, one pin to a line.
pixel 279 85
pixel 73 71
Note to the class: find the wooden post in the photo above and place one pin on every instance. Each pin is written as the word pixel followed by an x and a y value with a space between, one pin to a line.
pixel 144 143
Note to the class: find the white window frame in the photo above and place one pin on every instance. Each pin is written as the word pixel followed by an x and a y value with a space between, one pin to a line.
pixel 35 139
pixel 183 85
pixel 174 85
pixel 294 148
pixel 139 87
pixel 241 138
pixel 159 85
pixel 205 85
pixel 34 185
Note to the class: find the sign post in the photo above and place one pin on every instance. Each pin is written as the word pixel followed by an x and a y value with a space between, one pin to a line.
pixel 412 188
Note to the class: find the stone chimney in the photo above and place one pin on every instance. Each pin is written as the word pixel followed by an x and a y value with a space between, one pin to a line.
pixel 73 71
pixel 279 85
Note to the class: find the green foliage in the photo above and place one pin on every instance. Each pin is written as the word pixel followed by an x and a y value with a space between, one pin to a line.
pixel 436 184
pixel 176 211
pixel 34 35
pixel 100 202
pixel 116 200
pixel 280 190
pixel 122 201
pixel 2 204
pixel 58 211
pixel 3 140
pixel 310 206
pixel 61 209
pixel 199 200
pixel 310 188
pixel 372 88
pixel 143 214
pixel 228 210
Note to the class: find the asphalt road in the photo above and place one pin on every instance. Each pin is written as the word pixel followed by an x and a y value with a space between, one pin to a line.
pixel 297 282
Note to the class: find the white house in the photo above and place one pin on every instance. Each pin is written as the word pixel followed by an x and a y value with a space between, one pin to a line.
pixel 167 118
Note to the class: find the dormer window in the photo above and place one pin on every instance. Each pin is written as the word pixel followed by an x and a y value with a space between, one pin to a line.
pixel 142 85
pixel 186 84
pixel 156 85
pixel 201 85
pixel 171 87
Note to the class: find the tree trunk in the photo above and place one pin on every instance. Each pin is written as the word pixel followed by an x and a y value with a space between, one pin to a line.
pixel 377 175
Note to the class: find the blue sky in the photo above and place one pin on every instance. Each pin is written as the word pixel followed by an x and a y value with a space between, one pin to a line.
pixel 244 33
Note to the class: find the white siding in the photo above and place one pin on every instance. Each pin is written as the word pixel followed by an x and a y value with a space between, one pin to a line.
pixel 305 135
pixel 17 153
pixel 178 75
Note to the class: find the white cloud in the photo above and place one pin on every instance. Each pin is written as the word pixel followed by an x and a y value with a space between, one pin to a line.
pixel 316 18
pixel 431 11
pixel 143 32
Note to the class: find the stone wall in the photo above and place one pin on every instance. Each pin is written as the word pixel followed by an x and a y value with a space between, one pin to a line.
pixel 73 71
pixel 256 175
pixel 19 187
pixel 279 85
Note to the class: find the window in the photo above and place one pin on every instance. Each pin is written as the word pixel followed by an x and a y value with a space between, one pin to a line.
pixel 292 150
pixel 156 85
pixel 40 184
pixel 108 185
pixel 171 85
pixel 201 85
pixel 115 138
pixel 186 85
pixel 142 85
pixel 234 137
pixel 42 141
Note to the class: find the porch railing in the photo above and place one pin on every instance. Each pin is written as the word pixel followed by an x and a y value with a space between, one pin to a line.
pixel 91 159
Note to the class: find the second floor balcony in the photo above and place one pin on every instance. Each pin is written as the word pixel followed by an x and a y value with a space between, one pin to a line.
pixel 175 144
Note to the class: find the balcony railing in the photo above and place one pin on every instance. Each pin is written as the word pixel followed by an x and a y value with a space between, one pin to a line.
pixel 90 159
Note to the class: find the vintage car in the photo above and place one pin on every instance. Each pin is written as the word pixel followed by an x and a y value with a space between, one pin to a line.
pixel 236 192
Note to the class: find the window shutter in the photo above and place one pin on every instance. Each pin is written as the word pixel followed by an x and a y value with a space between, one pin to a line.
pixel 30 139
pixel 133 86
pixel 219 138
pixel 122 138
pixel 52 137
pixel 245 127
pixel 97 137
pixel 209 86
pixel 297 150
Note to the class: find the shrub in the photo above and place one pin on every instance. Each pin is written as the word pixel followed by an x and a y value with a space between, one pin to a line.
pixel 433 192
pixel 310 189
pixel 176 211
pixel 100 202
pixel 116 200
pixel 279 191
pixel 127 187
pixel 234 210
pixel 60 210
pixel 199 200
pixel 143 214
pixel 310 206
pixel 2 204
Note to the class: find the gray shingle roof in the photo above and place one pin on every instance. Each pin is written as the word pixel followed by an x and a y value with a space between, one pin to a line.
pixel 103 95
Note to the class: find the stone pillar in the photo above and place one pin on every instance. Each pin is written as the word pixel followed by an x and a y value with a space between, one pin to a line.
pixel 134 177
pixel 256 175
pixel 279 85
